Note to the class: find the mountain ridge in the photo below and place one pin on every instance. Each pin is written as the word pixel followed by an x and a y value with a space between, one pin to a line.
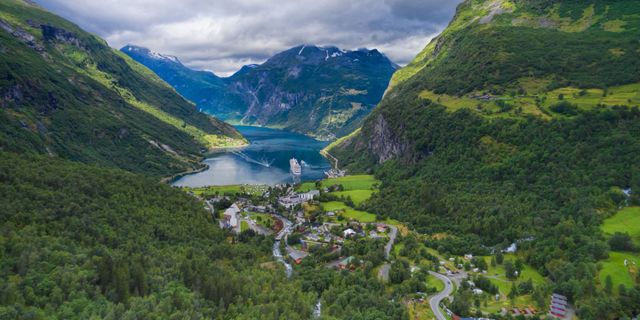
pixel 67 93
pixel 301 89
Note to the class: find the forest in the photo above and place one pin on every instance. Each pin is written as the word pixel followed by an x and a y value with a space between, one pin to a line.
pixel 490 182
pixel 85 242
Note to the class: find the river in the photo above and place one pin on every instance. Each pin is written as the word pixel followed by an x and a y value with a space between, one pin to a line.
pixel 264 161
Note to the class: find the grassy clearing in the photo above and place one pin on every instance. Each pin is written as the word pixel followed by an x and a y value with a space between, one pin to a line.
pixel 358 182
pixel 626 220
pixel 350 183
pixel 357 196
pixel 620 274
pixel 433 282
pixel 535 88
pixel 349 213
pixel 353 214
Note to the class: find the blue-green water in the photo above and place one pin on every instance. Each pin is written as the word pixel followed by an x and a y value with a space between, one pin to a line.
pixel 249 165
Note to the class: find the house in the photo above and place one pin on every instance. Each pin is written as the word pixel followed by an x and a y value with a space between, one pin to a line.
pixel 346 263
pixel 468 256
pixel 231 216
pixel 477 291
pixel 349 233
pixel 296 255
pixel 290 201
pixel 331 214
pixel 307 196
pixel 381 228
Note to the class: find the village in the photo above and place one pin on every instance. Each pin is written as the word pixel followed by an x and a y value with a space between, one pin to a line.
pixel 313 226
pixel 307 235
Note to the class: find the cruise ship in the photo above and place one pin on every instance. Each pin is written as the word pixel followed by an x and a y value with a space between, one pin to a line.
pixel 296 169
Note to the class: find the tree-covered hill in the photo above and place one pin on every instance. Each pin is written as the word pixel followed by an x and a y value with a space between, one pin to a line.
pixel 65 92
pixel 520 121
pixel 83 242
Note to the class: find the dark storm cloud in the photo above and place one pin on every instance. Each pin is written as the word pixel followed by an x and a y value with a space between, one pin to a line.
pixel 222 35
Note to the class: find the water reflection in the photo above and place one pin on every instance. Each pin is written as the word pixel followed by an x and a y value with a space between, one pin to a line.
pixel 265 161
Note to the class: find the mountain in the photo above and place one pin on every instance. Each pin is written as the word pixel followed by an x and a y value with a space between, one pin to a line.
pixel 204 88
pixel 322 92
pixel 520 121
pixel 66 93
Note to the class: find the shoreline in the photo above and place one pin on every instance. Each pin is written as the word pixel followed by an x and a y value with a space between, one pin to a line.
pixel 170 179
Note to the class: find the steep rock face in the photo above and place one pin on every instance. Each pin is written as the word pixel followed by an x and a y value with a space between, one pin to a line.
pixel 384 143
pixel 324 92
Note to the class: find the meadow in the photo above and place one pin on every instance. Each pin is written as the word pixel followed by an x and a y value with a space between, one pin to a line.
pixel 626 220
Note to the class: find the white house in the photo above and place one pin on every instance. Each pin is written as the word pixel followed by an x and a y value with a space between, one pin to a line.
pixel 231 216
pixel 309 195
pixel 349 233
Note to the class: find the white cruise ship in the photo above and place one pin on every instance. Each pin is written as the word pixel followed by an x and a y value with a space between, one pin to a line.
pixel 296 169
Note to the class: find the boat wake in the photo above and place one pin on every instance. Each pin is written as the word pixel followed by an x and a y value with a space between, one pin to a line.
pixel 263 162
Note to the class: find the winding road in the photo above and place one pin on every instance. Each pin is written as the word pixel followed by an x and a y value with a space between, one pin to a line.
pixel 383 273
pixel 434 302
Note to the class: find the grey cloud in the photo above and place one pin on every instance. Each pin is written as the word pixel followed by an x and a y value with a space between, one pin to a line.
pixel 222 35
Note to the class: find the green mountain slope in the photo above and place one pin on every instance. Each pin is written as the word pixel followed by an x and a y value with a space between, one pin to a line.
pixel 83 242
pixel 518 57
pixel 519 121
pixel 66 93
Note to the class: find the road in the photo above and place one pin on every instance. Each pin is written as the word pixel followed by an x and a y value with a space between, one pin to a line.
pixel 383 273
pixel 434 302
pixel 392 239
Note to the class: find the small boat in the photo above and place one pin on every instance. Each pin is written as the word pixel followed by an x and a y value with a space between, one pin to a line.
pixel 296 169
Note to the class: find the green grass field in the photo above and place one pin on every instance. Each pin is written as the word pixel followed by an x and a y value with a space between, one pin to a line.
pixel 357 196
pixel 349 213
pixel 626 220
pixel 433 282
pixel 353 214
pixel 620 274
pixel 350 183
pixel 628 95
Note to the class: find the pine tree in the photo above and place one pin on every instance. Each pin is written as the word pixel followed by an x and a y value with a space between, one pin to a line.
pixel 608 284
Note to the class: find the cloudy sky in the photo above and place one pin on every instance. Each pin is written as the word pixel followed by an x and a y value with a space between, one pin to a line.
pixel 223 35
